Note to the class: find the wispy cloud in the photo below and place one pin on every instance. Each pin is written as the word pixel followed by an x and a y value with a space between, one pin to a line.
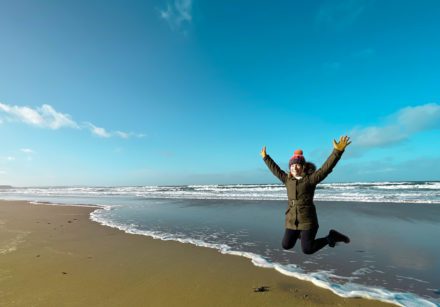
pixel 98 131
pixel 340 14
pixel 398 127
pixel 122 134
pixel 126 135
pixel 44 116
pixel 177 14
pixel 27 151
pixel 103 133
pixel 47 117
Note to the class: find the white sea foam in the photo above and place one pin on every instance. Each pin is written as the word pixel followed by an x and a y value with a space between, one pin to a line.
pixel 362 271
pixel 323 279
pixel 412 278
pixel 390 192
pixel 60 204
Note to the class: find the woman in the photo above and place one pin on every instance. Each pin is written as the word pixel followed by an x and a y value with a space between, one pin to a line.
pixel 301 218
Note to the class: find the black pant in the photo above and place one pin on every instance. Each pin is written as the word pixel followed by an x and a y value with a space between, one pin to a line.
pixel 308 243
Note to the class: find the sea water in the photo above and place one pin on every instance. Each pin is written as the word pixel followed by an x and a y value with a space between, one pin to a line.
pixel 394 229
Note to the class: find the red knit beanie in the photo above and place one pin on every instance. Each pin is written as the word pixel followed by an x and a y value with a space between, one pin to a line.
pixel 297 158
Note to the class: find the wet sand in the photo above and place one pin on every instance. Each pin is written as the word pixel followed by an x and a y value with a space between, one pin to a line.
pixel 56 256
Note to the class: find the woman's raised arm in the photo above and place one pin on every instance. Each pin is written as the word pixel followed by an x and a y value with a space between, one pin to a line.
pixel 274 168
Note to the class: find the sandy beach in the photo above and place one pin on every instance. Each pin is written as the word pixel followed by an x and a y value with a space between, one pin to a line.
pixel 56 256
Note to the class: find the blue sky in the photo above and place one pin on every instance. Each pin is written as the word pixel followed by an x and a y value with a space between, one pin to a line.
pixel 187 91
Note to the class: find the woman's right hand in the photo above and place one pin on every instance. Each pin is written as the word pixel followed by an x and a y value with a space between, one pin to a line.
pixel 263 152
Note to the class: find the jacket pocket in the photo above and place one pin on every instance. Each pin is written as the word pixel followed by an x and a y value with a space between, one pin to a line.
pixel 287 211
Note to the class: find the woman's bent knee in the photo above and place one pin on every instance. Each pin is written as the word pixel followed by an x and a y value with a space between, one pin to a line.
pixel 287 246
pixel 308 250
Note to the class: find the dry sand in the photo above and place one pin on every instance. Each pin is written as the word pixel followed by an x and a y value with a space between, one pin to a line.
pixel 56 256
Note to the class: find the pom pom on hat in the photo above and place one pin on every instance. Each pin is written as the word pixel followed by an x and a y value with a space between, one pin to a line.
pixel 297 158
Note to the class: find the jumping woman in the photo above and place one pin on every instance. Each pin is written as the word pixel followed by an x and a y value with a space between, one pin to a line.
pixel 301 218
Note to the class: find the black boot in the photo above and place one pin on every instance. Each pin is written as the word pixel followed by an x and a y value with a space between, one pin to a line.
pixel 335 237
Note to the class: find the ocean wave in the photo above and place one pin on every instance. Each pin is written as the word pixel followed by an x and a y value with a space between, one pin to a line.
pixel 396 192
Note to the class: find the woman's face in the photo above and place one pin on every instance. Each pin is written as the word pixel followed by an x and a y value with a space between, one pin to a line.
pixel 296 169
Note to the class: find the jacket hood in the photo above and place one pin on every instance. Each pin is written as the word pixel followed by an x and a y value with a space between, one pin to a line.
pixel 309 168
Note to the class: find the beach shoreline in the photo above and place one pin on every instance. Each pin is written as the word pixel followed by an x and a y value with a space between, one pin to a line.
pixel 55 255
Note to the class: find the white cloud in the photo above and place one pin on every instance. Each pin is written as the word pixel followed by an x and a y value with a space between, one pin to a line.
pixel 27 151
pixel 420 117
pixel 183 7
pixel 166 14
pixel 101 132
pixel 378 136
pixel 398 127
pixel 98 131
pixel 47 117
pixel 55 119
pixel 177 14
pixel 126 135
pixel 3 172
pixel 122 134
pixel 44 116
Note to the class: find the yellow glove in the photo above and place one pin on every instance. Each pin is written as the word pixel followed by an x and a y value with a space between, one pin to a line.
pixel 263 152
pixel 344 141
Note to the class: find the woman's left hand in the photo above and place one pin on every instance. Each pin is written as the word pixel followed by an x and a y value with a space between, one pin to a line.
pixel 344 141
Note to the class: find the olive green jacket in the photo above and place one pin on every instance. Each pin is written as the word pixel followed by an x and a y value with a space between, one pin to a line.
pixel 301 211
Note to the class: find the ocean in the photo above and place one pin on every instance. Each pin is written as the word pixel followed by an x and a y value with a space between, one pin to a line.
pixel 393 226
